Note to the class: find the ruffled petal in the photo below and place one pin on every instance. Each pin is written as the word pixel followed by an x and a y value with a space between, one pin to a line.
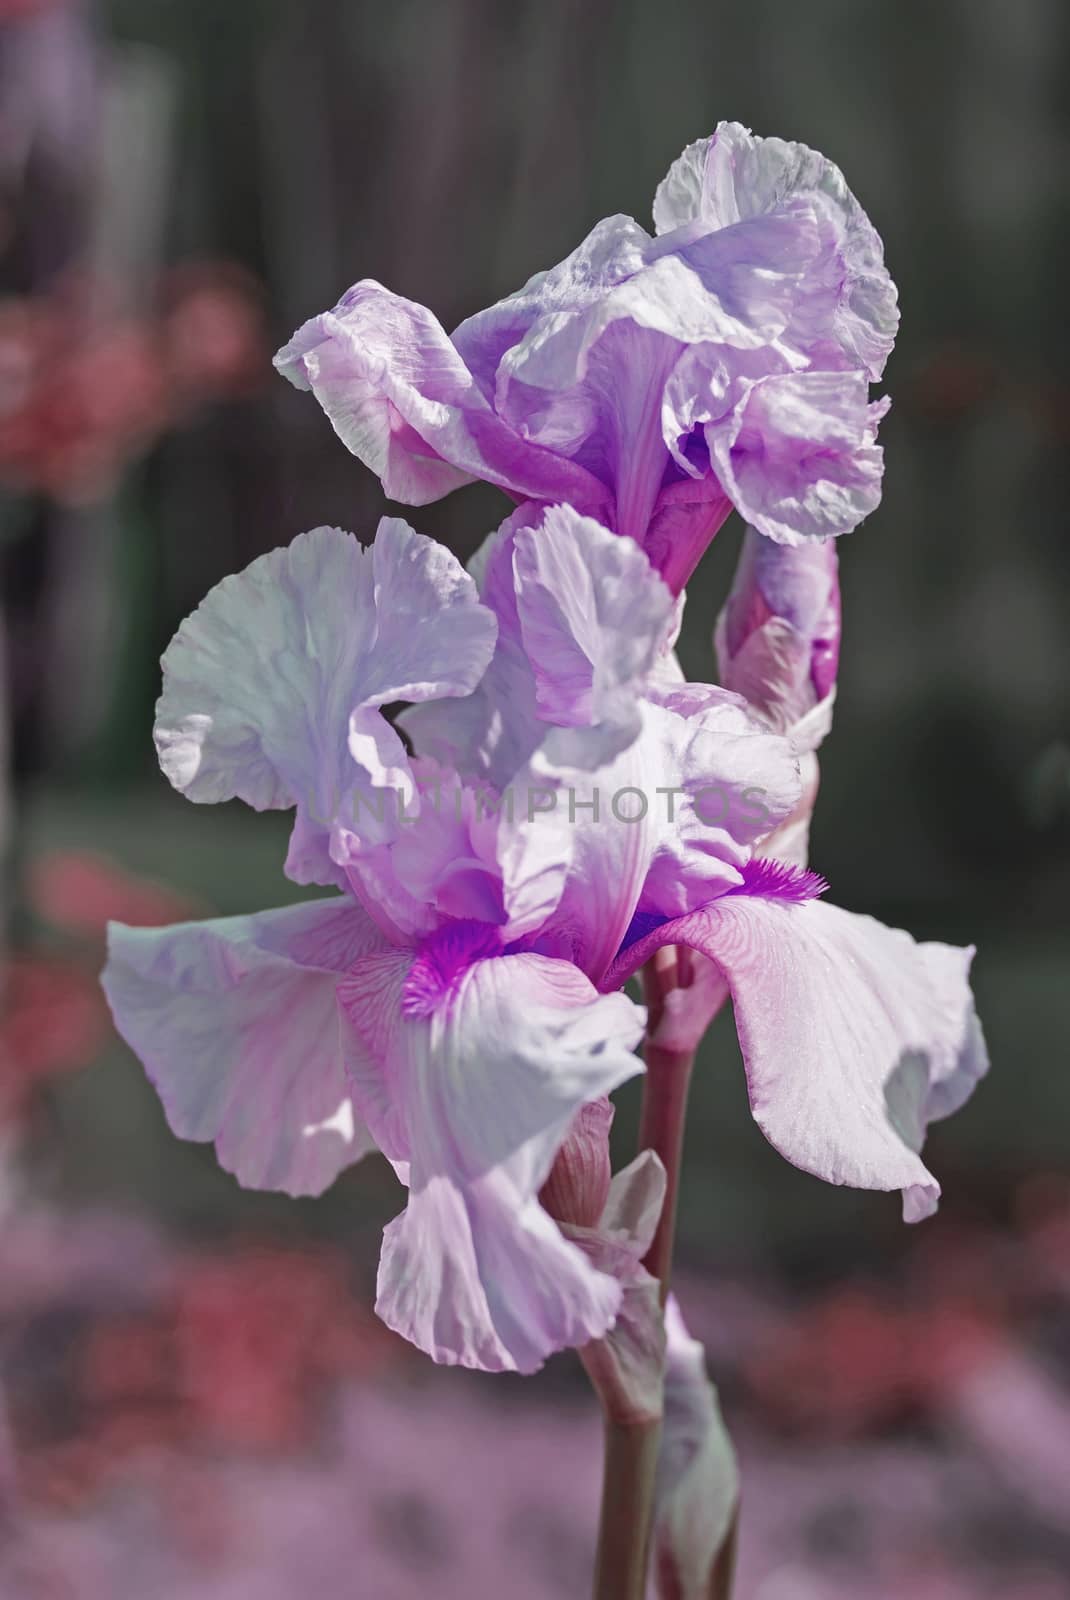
pixel 262 681
pixel 591 375
pixel 733 176
pixel 612 251
pixel 660 828
pixel 400 397
pixel 433 638
pixel 490 733
pixel 797 456
pixel 236 1023
pixel 477 1096
pixel 854 1037
pixel 420 861
pixel 735 289
pixel 583 620
pixel 594 617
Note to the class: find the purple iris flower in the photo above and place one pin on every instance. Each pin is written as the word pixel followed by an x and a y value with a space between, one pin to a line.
pixel 651 381
pixel 567 809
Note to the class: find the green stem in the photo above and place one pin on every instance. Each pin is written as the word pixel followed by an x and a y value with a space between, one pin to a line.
pixel 631 1445
pixel 630 1467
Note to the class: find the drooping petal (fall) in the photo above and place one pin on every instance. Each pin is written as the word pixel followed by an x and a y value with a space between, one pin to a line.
pixel 853 1036
pixel 236 1022
pixel 399 395
pixel 473 1075
pixel 271 688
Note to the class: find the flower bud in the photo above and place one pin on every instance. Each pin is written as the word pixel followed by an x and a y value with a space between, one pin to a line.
pixel 697 1502
pixel 778 636
pixel 778 645
pixel 578 1186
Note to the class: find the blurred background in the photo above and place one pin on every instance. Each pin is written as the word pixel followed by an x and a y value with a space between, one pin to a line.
pixel 195 1400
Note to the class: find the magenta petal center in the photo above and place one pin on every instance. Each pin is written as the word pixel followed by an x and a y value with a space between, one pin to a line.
pixel 441 959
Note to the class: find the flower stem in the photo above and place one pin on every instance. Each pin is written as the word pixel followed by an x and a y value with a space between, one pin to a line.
pixel 630 1466
pixel 631 1446
pixel 665 1091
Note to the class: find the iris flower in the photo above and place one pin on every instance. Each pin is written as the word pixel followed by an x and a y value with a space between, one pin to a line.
pixel 567 808
pixel 652 381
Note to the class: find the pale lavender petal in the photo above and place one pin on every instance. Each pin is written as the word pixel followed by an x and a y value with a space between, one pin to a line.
pixel 778 642
pixel 236 1023
pixel 260 683
pixel 797 456
pixel 687 193
pixel 736 288
pixel 400 396
pixel 582 621
pixel 601 403
pixel 854 1037
pixel 733 175
pixel 369 406
pixel 753 273
pixel 955 1073
pixel 594 618
pixel 697 1495
pixel 589 384
pixel 593 382
pixel 418 857
pixel 660 828
pixel 477 1087
pixel 789 841
pixel 668 673
pixel 490 733
pixel 612 251
pixel 433 637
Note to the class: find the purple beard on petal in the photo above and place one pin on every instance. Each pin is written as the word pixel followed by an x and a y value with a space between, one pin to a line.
pixel 441 959
pixel 766 879
pixel 763 879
